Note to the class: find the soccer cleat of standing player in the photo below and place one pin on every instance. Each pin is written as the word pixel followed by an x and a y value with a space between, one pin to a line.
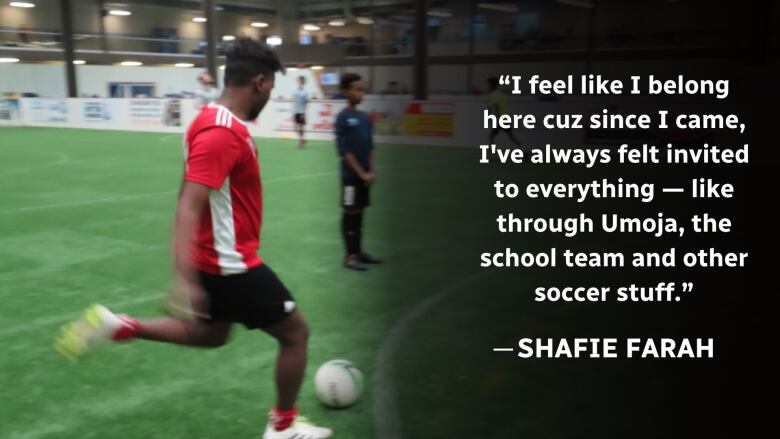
pixel 293 426
pixel 97 326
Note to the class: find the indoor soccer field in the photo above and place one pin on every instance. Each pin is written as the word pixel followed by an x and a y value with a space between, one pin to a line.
pixel 86 218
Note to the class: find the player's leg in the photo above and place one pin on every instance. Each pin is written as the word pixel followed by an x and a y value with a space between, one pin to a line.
pixel 350 229
pixel 198 329
pixel 300 122
pixel 208 326
pixel 493 133
pixel 350 223
pixel 99 325
pixel 511 134
pixel 284 420
pixel 302 128
pixel 196 332
pixel 363 200
pixel 263 302
pixel 292 334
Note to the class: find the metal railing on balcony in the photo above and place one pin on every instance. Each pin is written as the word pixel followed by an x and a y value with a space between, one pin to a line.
pixel 403 47
pixel 43 40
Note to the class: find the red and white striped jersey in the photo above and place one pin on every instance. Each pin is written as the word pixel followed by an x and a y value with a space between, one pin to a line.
pixel 220 153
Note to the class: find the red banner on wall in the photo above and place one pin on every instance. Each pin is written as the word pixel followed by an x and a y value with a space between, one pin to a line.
pixel 429 119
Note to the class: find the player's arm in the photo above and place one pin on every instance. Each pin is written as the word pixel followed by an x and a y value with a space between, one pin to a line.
pixel 210 159
pixel 373 162
pixel 193 199
pixel 371 155
pixel 353 164
pixel 493 107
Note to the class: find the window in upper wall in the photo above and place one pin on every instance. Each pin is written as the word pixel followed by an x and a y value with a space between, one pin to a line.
pixel 527 22
pixel 131 89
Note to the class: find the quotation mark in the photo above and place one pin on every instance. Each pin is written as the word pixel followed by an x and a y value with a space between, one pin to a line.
pixel 504 79
pixel 687 287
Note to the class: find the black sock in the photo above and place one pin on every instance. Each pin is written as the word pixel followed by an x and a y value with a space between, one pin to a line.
pixel 359 232
pixel 350 234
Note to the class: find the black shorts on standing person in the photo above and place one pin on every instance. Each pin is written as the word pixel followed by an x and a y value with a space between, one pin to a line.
pixel 355 146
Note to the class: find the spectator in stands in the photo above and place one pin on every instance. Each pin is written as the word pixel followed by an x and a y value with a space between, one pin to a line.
pixel 23 35
pixel 208 92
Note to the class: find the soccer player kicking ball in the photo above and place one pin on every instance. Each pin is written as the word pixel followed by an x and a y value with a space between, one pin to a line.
pixel 215 245
pixel 355 145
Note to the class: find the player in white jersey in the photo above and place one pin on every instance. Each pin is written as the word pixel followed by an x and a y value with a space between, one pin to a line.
pixel 300 99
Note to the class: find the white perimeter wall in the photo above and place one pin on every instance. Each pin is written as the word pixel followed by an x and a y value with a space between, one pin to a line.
pixel 48 80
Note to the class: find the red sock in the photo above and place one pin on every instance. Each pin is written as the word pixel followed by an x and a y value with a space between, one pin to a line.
pixel 128 330
pixel 282 419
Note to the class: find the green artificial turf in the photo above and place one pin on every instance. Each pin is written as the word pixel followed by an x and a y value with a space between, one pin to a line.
pixel 85 217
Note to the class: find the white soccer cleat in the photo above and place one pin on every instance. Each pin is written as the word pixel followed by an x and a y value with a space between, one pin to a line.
pixel 301 428
pixel 97 326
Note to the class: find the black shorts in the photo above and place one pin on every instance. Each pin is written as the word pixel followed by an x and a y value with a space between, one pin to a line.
pixel 300 118
pixel 256 298
pixel 354 193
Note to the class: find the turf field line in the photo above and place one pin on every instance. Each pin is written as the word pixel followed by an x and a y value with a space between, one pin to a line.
pixel 85 202
pixel 51 320
pixel 62 159
pixel 387 422
pixel 179 136
pixel 168 192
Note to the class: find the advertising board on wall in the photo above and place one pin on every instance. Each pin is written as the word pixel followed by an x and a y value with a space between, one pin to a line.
pixel 429 119
pixel 154 112
pixel 9 109
pixel 47 110
pixel 96 111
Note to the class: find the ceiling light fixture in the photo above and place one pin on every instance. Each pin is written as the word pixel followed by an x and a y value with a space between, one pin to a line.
pixel 498 7
pixel 440 14
pixel 578 3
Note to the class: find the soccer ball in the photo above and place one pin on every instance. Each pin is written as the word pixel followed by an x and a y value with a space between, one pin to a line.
pixel 338 383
